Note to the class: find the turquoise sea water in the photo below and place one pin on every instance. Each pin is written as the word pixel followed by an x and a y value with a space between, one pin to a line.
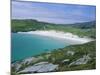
pixel 26 45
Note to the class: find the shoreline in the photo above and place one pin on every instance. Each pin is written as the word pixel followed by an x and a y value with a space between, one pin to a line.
pixel 60 35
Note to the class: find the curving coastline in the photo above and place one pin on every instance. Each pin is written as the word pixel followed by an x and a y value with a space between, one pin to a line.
pixel 60 35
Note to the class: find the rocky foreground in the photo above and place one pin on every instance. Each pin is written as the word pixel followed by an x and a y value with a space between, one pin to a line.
pixel 76 57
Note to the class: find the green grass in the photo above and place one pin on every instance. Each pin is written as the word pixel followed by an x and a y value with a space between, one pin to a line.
pixel 80 50
pixel 33 25
pixel 58 55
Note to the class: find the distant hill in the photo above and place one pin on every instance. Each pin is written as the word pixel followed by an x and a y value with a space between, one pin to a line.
pixel 30 24
pixel 85 25
pixel 81 29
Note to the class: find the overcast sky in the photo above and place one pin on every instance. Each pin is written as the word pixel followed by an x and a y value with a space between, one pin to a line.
pixel 53 13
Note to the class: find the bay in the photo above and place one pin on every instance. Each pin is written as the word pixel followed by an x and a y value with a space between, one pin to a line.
pixel 27 45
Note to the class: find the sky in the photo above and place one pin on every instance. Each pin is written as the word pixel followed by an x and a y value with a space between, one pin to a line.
pixel 53 12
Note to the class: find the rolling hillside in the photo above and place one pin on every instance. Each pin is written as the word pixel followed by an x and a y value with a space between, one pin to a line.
pixel 81 29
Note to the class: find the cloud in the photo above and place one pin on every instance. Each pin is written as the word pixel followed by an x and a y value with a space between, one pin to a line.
pixel 55 13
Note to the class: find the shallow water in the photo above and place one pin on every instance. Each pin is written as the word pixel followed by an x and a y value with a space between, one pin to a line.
pixel 26 45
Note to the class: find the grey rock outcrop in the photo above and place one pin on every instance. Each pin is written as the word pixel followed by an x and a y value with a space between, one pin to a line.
pixel 80 61
pixel 40 67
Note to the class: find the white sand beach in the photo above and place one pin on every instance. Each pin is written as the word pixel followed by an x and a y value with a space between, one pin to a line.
pixel 60 35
